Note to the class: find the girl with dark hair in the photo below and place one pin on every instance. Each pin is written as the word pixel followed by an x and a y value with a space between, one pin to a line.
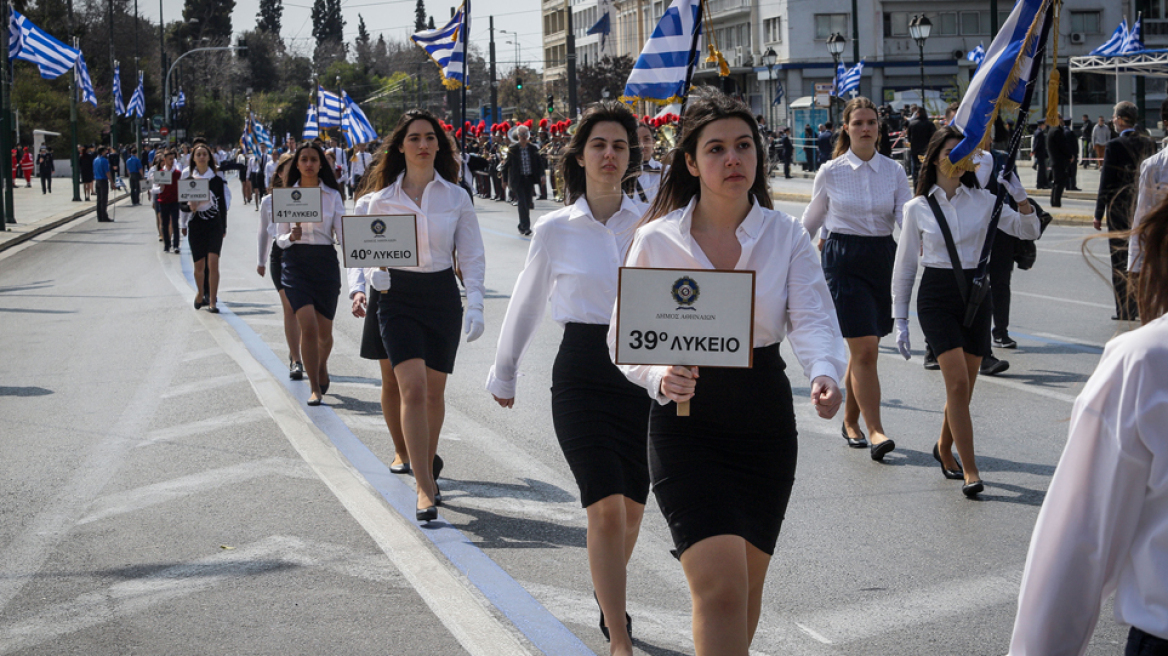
pixel 310 273
pixel 858 199
pixel 419 309
pixel 207 223
pixel 600 418
pixel 950 200
pixel 724 485
pixel 1103 527
pixel 275 258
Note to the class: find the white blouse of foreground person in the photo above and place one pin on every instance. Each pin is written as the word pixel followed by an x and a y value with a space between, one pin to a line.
pixel 1104 525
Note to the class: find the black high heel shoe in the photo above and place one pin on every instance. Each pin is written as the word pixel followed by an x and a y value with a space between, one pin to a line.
pixel 401 468
pixel 427 514
pixel 951 474
pixel 856 443
pixel 604 629
pixel 971 490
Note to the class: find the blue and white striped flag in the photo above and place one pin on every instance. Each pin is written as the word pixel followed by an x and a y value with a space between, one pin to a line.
pixel 84 82
pixel 446 48
pixel 1114 45
pixel 328 107
pixel 603 26
pixel 1133 43
pixel 977 55
pixel 662 72
pixel 358 129
pixel 181 101
pixel 138 100
pixel 262 136
pixel 850 80
pixel 837 81
pixel 119 104
pixel 30 43
pixel 778 93
pixel 1000 82
pixel 311 126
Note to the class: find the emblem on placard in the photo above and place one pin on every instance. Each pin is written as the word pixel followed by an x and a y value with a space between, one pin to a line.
pixel 192 184
pixel 378 227
pixel 296 195
pixel 685 291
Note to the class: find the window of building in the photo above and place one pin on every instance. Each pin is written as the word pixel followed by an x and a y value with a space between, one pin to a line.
pixel 1086 22
pixel 771 30
pixel 971 23
pixel 828 24
pixel 945 24
pixel 895 23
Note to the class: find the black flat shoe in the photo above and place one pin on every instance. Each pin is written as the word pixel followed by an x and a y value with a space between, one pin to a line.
pixel 971 490
pixel 199 304
pixel 856 443
pixel 882 449
pixel 400 468
pixel 438 465
pixel 951 474
pixel 427 514
pixel 604 629
pixel 296 370
pixel 314 401
pixel 213 310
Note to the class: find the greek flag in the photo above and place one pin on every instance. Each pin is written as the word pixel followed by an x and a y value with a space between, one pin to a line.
pixel 1114 45
pixel 1000 82
pixel 977 55
pixel 328 107
pixel 1133 43
pixel 138 100
pixel 778 93
pixel 311 127
pixel 84 82
pixel 837 81
pixel 358 129
pixel 446 48
pixel 119 104
pixel 662 72
pixel 32 44
pixel 850 79
pixel 181 101
pixel 262 136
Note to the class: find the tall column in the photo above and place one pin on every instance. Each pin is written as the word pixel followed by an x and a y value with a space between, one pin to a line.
pixel 571 45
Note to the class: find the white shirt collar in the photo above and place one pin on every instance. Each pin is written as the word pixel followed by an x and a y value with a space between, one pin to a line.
pixel 581 209
pixel 751 225
pixel 940 194
pixel 854 160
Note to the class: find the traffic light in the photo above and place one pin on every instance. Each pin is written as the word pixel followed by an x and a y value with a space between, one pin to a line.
pixel 551 104
pixel 519 84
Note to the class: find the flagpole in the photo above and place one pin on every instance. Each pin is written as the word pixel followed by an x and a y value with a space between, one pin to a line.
pixel 465 70
pixel 74 160
pixel 693 48
pixel 5 126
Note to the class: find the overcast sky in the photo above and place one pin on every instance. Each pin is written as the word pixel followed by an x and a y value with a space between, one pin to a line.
pixel 395 19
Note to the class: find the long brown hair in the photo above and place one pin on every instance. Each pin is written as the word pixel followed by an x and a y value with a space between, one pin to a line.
pixel 326 174
pixel 391 161
pixel 928 173
pixel 575 180
pixel 281 171
pixel 843 142
pixel 704 106
pixel 210 158
pixel 1152 282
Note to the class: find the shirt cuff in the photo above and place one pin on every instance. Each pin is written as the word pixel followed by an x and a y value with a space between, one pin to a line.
pixel 823 368
pixel 283 241
pixel 504 389
pixel 655 377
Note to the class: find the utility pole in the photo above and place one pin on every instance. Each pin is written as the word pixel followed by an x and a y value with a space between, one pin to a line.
pixel 138 119
pixel 113 65
pixel 74 159
pixel 6 128
pixel 494 80
pixel 571 47
pixel 855 34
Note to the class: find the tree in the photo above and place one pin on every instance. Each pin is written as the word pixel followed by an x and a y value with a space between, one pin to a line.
pixel 327 22
pixel 430 25
pixel 362 46
pixel 609 73
pixel 381 56
pixel 213 19
pixel 270 15
pixel 529 101
pixel 260 71
pixel 420 16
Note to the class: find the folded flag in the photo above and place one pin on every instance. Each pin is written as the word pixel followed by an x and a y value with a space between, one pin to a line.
pixel 84 82
pixel 119 104
pixel 138 100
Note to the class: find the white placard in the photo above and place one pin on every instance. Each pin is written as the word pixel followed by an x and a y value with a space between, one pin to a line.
pixel 161 177
pixel 194 190
pixel 685 317
pixel 296 205
pixel 382 240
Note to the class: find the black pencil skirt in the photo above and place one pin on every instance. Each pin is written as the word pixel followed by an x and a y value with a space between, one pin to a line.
pixel 421 317
pixel 204 236
pixel 276 267
pixel 942 314
pixel 312 276
pixel 372 346
pixel 859 274
pixel 601 419
pixel 728 468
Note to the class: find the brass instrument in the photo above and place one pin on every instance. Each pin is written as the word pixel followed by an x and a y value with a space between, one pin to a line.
pixel 666 140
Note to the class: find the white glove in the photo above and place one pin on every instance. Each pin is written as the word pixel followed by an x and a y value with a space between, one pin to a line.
pixel 380 280
pixel 1013 186
pixel 902 342
pixel 472 324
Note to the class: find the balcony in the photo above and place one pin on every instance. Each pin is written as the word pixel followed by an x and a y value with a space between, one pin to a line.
pixel 719 8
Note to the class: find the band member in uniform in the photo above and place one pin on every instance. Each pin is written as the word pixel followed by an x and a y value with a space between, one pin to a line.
pixel 420 309
pixel 858 198
pixel 941 300
pixel 651 171
pixel 601 419
pixel 724 485
pixel 204 224
pixel 311 274
pixel 272 260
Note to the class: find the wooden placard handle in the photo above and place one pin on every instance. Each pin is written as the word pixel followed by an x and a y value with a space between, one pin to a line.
pixel 683 408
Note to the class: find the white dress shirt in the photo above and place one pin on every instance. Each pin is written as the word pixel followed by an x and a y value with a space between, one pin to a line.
pixel 573 262
pixel 268 230
pixel 791 298
pixel 649 180
pixel 269 172
pixel 446 223
pixel 854 197
pixel 332 208
pixel 1153 191
pixel 1104 525
pixel 185 217
pixel 968 215
pixel 253 164
pixel 361 163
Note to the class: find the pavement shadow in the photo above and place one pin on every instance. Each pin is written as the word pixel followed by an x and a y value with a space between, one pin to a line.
pixel 530 490
pixel 1024 495
pixel 41 284
pixel 24 391
pixel 1047 378
pixel 172 571
pixel 34 311
pixel 495 531
pixel 654 650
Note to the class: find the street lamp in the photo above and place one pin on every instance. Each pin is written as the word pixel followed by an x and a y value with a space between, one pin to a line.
pixel 919 29
pixel 166 86
pixel 769 59
pixel 835 45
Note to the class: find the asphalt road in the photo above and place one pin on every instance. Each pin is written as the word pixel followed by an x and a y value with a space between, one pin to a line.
pixel 166 490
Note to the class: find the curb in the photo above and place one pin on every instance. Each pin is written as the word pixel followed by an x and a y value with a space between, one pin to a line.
pixel 52 224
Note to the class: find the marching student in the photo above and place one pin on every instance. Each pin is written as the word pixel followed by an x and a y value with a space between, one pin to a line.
pixel 949 201
pixel 651 171
pixel 1103 527
pixel 166 197
pixel 362 161
pixel 258 164
pixel 723 486
pixel 601 419
pixel 858 198
pixel 420 309
pixel 272 259
pixel 204 224
pixel 311 275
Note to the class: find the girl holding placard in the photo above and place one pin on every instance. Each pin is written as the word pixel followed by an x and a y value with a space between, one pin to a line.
pixel 723 475
pixel 601 419
pixel 275 258
pixel 420 309
pixel 311 274
pixel 206 222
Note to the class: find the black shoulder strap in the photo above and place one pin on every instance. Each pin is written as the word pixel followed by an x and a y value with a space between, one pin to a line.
pixel 954 257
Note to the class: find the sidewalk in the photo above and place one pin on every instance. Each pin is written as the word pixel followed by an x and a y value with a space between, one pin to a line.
pixel 37 213
pixel 1078 206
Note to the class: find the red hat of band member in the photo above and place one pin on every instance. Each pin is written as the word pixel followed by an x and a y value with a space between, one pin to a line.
pixel 458 133
pixel 543 122
pixel 467 124
pixel 529 123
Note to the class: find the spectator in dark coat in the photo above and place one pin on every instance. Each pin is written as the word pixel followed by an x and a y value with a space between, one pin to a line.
pixel 824 143
pixel 1039 153
pixel 920 130
pixel 1060 151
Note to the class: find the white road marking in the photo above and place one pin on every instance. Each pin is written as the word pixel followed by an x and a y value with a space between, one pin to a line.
pixel 204 384
pixel 1058 299
pixel 218 422
pixel 159 493
pixel 201 353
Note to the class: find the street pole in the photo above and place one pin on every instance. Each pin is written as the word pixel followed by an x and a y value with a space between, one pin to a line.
pixel 465 73
pixel 571 46
pixel 113 65
pixel 74 160
pixel 137 119
pixel 855 34
pixel 5 127
pixel 831 97
pixel 494 79
pixel 924 103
